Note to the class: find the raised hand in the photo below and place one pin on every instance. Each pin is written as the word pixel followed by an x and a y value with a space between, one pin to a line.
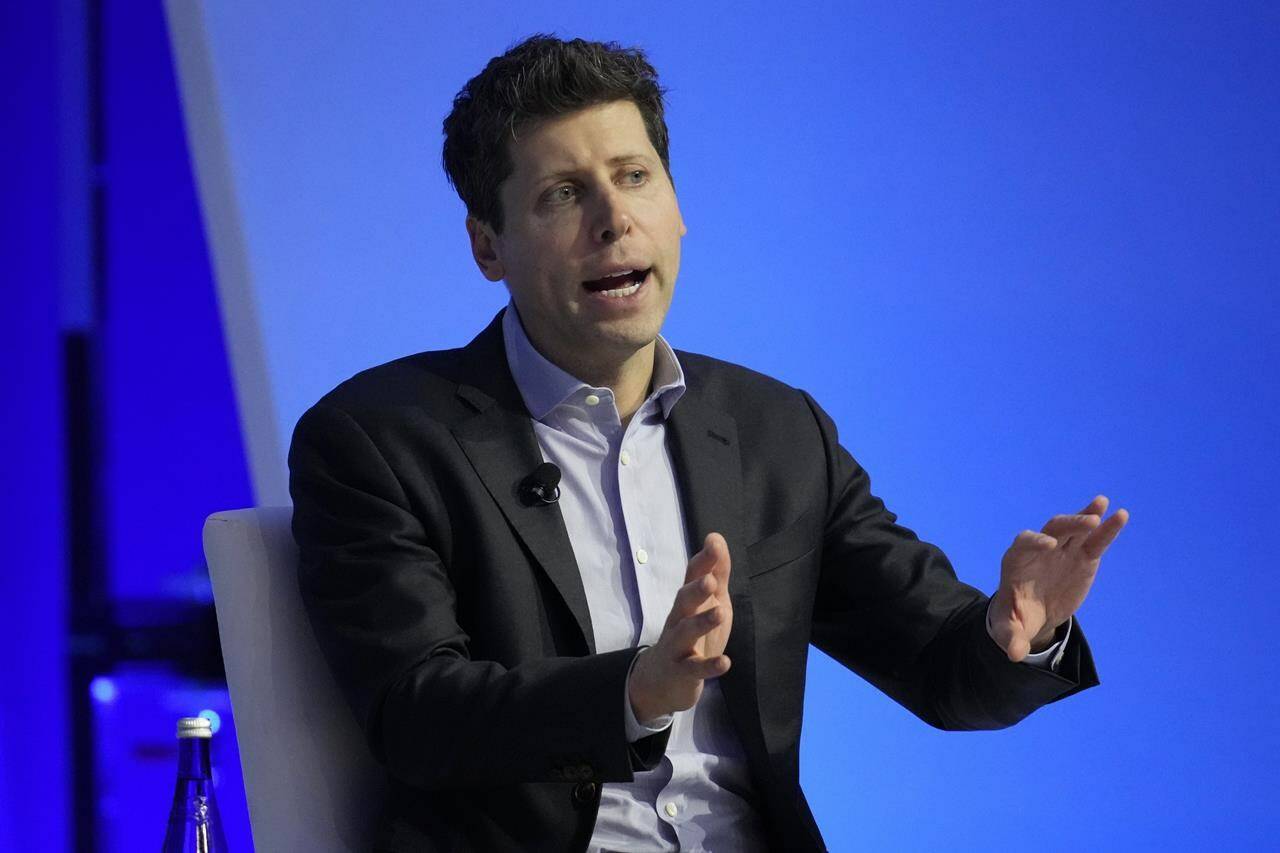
pixel 668 676
pixel 1045 576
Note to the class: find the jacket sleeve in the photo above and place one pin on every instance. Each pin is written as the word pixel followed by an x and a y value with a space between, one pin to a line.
pixel 383 608
pixel 890 607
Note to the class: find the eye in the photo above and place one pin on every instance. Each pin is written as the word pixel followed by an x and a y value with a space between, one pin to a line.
pixel 635 177
pixel 561 194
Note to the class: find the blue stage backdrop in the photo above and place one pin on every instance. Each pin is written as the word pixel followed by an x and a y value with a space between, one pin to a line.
pixel 121 426
pixel 1023 253
pixel 34 789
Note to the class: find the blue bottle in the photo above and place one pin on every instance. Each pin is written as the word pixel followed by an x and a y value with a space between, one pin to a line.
pixel 194 824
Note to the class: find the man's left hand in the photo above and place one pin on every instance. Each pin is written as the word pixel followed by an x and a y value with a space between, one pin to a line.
pixel 1045 576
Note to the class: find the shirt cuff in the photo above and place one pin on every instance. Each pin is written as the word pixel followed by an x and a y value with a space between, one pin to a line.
pixel 637 730
pixel 1047 659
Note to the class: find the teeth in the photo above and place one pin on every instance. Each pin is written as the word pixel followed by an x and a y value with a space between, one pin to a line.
pixel 621 291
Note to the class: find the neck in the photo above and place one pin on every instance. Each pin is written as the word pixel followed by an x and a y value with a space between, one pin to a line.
pixel 628 373
pixel 193 758
pixel 628 377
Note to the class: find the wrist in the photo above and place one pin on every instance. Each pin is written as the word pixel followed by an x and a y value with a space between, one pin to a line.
pixel 636 694
pixel 1045 639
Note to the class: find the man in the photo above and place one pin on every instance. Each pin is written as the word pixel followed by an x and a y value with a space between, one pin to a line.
pixel 616 661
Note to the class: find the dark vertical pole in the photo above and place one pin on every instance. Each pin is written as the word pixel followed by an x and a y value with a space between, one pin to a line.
pixel 88 598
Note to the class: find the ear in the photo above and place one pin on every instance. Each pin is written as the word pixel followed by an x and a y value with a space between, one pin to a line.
pixel 484 248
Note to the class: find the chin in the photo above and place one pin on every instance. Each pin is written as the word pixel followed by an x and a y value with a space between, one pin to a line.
pixel 630 335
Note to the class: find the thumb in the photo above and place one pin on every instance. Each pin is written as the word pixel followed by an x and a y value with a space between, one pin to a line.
pixel 1018 647
pixel 699 564
pixel 718 549
pixel 714 552
pixel 1010 629
pixel 1005 635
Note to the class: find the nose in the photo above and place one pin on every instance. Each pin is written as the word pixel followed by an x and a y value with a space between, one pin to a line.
pixel 612 220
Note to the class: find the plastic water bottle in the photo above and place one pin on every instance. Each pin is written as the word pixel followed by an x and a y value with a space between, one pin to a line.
pixel 194 824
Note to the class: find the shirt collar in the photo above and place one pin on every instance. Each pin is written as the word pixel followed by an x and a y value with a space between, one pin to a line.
pixel 544 386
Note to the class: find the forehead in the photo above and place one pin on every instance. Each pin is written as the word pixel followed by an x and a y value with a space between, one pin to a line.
pixel 577 140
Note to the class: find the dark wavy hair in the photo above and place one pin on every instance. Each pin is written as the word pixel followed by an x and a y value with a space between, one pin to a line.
pixel 540 78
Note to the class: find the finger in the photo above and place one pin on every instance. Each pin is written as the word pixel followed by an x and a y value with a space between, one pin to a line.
pixel 1029 540
pixel 1070 526
pixel 686 633
pixel 1100 540
pixel 1097 506
pixel 694 596
pixel 704 668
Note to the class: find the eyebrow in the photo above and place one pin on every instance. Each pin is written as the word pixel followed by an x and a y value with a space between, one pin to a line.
pixel 612 161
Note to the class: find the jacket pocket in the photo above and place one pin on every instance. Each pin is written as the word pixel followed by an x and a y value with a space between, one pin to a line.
pixel 796 540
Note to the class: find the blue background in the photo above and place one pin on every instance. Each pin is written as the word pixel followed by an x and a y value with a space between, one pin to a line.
pixel 1022 254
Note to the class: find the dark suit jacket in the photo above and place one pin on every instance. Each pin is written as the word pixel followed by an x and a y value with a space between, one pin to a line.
pixel 455 619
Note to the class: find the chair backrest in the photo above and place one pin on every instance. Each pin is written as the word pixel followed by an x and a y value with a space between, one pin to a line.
pixel 310 780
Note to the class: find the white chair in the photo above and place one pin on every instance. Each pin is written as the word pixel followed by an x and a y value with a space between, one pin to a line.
pixel 310 780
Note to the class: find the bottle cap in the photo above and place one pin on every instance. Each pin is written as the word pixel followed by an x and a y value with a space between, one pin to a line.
pixel 194 727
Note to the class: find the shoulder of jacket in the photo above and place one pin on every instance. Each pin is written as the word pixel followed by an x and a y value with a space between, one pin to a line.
pixel 725 382
pixel 413 380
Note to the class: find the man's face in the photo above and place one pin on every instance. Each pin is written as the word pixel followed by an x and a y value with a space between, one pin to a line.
pixel 590 245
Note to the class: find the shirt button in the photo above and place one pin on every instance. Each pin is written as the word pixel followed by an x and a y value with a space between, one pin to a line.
pixel 671 810
pixel 624 457
pixel 642 556
pixel 592 400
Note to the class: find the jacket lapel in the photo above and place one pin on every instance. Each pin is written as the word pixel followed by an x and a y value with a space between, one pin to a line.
pixel 499 441
pixel 704 447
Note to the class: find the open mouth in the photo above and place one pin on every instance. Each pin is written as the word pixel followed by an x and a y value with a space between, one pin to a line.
pixel 618 285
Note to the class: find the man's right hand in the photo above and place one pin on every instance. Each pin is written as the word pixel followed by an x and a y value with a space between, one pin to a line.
pixel 667 677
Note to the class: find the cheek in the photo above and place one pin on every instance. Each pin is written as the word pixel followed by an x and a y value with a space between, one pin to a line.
pixel 537 268
pixel 550 255
pixel 672 222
